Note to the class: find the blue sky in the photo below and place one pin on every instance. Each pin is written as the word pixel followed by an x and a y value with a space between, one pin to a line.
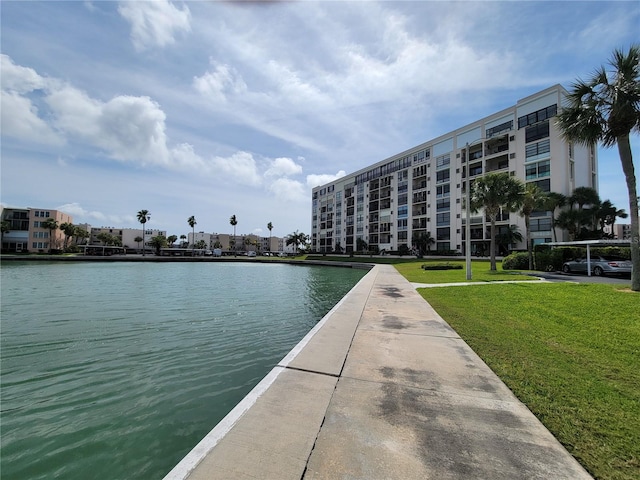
pixel 219 108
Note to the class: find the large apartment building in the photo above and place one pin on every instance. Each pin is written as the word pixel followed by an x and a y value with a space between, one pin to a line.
pixel 26 230
pixel 421 189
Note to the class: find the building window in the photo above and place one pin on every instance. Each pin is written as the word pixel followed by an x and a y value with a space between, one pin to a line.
pixel 403 211
pixel 540 225
pixel 443 204
pixel 498 129
pixel 537 151
pixel 537 132
pixel 443 219
pixel 443 161
pixel 443 234
pixel 443 190
pixel 443 176
pixel 544 185
pixel 443 246
pixel 402 224
pixel 538 170
pixel 539 116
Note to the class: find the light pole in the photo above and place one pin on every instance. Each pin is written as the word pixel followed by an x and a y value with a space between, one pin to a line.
pixel 467 227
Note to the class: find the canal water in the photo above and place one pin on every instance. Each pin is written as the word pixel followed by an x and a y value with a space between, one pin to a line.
pixel 116 370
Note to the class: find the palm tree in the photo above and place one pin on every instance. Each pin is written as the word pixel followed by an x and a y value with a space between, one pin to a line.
pixel 608 214
pixel 423 241
pixel 192 223
pixel 582 196
pixel 297 239
pixel 80 233
pixel 553 202
pixel 507 236
pixel 143 216
pixel 534 199
pixel 572 221
pixel 606 108
pixel 50 224
pixel 69 230
pixel 495 192
pixel 182 240
pixel 270 227
pixel 138 239
pixel 233 221
pixel 158 242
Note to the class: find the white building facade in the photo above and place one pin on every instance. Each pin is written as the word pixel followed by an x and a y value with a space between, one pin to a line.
pixel 422 190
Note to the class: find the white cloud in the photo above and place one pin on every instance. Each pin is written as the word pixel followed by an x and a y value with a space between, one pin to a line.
pixel 20 120
pixel 288 189
pixel 16 78
pixel 283 167
pixel 220 83
pixel 241 167
pixel 128 128
pixel 81 215
pixel 317 180
pixel 154 23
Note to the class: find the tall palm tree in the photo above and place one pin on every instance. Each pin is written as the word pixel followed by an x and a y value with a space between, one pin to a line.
pixel 534 199
pixel 554 201
pixel 50 224
pixel 495 192
pixel 69 230
pixel 606 108
pixel 270 227
pixel 297 239
pixel 233 221
pixel 192 223
pixel 607 215
pixel 143 217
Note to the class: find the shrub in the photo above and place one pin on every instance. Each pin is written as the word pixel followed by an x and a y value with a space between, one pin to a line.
pixel 516 261
pixel 440 266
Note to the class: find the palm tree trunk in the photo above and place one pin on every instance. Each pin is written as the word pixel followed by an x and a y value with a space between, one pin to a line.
pixel 527 224
pixel 624 149
pixel 492 244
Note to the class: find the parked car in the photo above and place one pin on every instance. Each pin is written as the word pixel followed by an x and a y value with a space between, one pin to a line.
pixel 251 254
pixel 599 266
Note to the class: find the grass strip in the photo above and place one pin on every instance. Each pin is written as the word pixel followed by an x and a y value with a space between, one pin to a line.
pixel 480 272
pixel 570 352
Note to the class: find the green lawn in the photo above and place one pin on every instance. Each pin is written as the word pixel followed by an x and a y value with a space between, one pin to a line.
pixel 570 352
pixel 480 272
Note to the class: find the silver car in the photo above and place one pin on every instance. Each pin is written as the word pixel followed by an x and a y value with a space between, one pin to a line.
pixel 599 266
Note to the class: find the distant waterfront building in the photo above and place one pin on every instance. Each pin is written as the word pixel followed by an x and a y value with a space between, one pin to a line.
pixel 422 190
pixel 621 231
pixel 243 243
pixel 127 236
pixel 26 232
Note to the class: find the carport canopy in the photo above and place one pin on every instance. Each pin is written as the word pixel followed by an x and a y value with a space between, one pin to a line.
pixel 591 243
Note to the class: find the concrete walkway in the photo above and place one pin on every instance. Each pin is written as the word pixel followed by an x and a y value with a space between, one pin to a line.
pixel 382 388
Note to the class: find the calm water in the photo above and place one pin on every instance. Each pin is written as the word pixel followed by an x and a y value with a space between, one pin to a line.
pixel 116 371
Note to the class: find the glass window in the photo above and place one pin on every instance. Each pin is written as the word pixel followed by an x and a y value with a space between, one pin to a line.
pixel 442 176
pixel 443 190
pixel 537 132
pixel 443 219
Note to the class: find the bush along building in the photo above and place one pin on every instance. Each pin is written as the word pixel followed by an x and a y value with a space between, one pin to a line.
pixel 419 194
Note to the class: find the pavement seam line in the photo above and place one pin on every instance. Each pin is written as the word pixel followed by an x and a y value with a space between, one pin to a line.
pixel 339 375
